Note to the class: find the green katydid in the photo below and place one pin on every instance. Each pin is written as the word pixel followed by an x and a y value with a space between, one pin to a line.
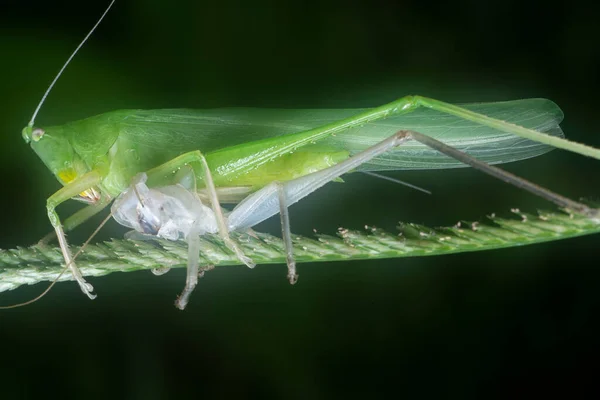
pixel 232 153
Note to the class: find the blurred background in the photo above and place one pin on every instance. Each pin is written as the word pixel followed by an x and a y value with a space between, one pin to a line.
pixel 495 324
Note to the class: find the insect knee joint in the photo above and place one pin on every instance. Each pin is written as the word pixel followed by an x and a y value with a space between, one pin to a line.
pixel 402 136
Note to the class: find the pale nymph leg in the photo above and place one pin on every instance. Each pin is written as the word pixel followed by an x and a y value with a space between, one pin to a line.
pixel 193 268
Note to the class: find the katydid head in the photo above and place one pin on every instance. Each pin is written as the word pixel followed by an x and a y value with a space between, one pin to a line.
pixel 54 148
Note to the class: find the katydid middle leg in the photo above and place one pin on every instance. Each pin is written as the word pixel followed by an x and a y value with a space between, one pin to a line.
pixel 278 196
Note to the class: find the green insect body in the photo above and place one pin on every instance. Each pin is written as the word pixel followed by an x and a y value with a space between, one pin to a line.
pixel 272 145
pixel 96 159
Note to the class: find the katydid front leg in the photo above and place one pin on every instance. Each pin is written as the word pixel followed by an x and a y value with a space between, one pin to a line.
pixel 165 171
pixel 78 218
pixel 67 192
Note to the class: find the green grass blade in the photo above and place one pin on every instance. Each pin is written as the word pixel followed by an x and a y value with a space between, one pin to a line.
pixel 35 264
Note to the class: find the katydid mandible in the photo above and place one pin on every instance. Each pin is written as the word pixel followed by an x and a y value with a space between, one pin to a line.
pixel 96 159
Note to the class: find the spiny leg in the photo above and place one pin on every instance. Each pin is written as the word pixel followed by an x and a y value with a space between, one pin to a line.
pixel 507 177
pixel 285 144
pixel 166 170
pixel 408 104
pixel 554 141
pixel 65 193
pixel 268 201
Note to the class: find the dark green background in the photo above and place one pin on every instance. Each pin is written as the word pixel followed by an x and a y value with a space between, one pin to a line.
pixel 494 324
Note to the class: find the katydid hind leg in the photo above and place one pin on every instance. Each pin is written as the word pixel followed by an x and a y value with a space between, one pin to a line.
pixel 507 177
pixel 458 111
pixel 408 104
pixel 278 196
pixel 274 197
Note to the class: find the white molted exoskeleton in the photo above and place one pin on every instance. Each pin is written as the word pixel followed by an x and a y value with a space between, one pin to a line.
pixel 169 212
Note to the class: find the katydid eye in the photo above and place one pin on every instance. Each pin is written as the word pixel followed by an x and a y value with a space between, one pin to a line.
pixel 37 134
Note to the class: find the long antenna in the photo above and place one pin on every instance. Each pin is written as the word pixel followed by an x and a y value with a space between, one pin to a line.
pixel 67 63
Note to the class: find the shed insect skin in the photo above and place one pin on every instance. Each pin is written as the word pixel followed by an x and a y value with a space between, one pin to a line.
pixel 96 159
